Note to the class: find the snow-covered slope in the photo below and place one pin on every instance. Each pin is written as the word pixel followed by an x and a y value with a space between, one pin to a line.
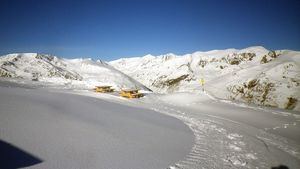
pixel 78 73
pixel 254 75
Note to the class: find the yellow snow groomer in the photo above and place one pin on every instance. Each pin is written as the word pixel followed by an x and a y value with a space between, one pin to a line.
pixel 131 93
pixel 103 89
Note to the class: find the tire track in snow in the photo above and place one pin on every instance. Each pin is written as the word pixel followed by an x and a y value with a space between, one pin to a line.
pixel 206 150
pixel 223 143
pixel 220 144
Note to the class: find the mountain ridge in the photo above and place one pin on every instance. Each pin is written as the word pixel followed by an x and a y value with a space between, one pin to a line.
pixel 73 73
pixel 253 75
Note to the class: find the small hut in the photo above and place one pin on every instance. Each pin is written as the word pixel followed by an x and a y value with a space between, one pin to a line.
pixel 103 89
pixel 131 93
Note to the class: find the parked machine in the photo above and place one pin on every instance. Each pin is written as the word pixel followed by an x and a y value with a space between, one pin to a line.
pixel 103 89
pixel 131 93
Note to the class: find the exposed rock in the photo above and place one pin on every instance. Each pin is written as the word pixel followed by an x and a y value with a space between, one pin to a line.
pixel 170 82
pixel 264 59
pixel 63 73
pixel 252 83
pixel 236 59
pixel 291 103
pixel 4 73
pixel 253 91
pixel 269 57
pixel 273 54
pixel 8 63
pixel 202 63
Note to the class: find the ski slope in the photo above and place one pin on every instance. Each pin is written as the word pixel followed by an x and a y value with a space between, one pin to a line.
pixel 227 135
pixel 104 129
pixel 59 130
pixel 245 116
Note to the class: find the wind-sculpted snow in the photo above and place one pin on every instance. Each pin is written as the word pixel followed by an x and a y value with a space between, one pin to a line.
pixel 72 73
pixel 226 74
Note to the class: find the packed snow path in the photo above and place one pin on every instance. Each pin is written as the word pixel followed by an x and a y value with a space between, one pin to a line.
pixel 231 135
pixel 62 130
pixel 227 135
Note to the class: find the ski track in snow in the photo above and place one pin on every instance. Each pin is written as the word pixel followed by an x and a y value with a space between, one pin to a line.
pixel 221 142
pixel 209 133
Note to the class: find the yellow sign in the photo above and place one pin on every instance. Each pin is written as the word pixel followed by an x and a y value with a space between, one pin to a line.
pixel 202 82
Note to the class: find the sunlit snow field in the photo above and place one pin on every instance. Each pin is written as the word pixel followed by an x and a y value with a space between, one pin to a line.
pixel 106 130
pixel 245 116
pixel 227 134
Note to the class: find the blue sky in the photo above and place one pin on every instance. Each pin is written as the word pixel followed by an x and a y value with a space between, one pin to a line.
pixel 112 29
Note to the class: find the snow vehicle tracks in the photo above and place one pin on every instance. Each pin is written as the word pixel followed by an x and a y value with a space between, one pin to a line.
pixel 223 143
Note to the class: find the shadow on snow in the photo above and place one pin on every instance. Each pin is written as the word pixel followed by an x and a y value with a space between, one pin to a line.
pixel 13 157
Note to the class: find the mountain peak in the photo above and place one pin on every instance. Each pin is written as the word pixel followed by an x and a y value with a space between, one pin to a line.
pixel 73 73
pixel 148 56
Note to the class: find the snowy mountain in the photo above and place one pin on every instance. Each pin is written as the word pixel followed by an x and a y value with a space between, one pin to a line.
pixel 254 75
pixel 71 73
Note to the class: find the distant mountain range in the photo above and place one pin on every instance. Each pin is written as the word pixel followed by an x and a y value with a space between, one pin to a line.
pixel 71 73
pixel 253 75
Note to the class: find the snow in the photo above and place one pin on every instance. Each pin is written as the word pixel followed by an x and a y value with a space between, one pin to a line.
pixel 72 73
pixel 232 133
pixel 226 72
pixel 227 135
pixel 255 128
pixel 71 131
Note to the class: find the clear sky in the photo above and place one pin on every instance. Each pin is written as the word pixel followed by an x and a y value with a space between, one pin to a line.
pixel 111 29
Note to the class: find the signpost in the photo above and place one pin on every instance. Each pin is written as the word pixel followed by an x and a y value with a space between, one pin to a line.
pixel 202 82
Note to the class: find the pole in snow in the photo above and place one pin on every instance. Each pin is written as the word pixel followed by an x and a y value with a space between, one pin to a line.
pixel 202 82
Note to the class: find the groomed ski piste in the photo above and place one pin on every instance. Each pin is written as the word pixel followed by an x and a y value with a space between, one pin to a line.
pixel 49 128
pixel 61 123
pixel 109 131
pixel 226 134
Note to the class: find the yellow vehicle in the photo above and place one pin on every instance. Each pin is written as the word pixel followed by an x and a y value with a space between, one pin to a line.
pixel 131 93
pixel 103 89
